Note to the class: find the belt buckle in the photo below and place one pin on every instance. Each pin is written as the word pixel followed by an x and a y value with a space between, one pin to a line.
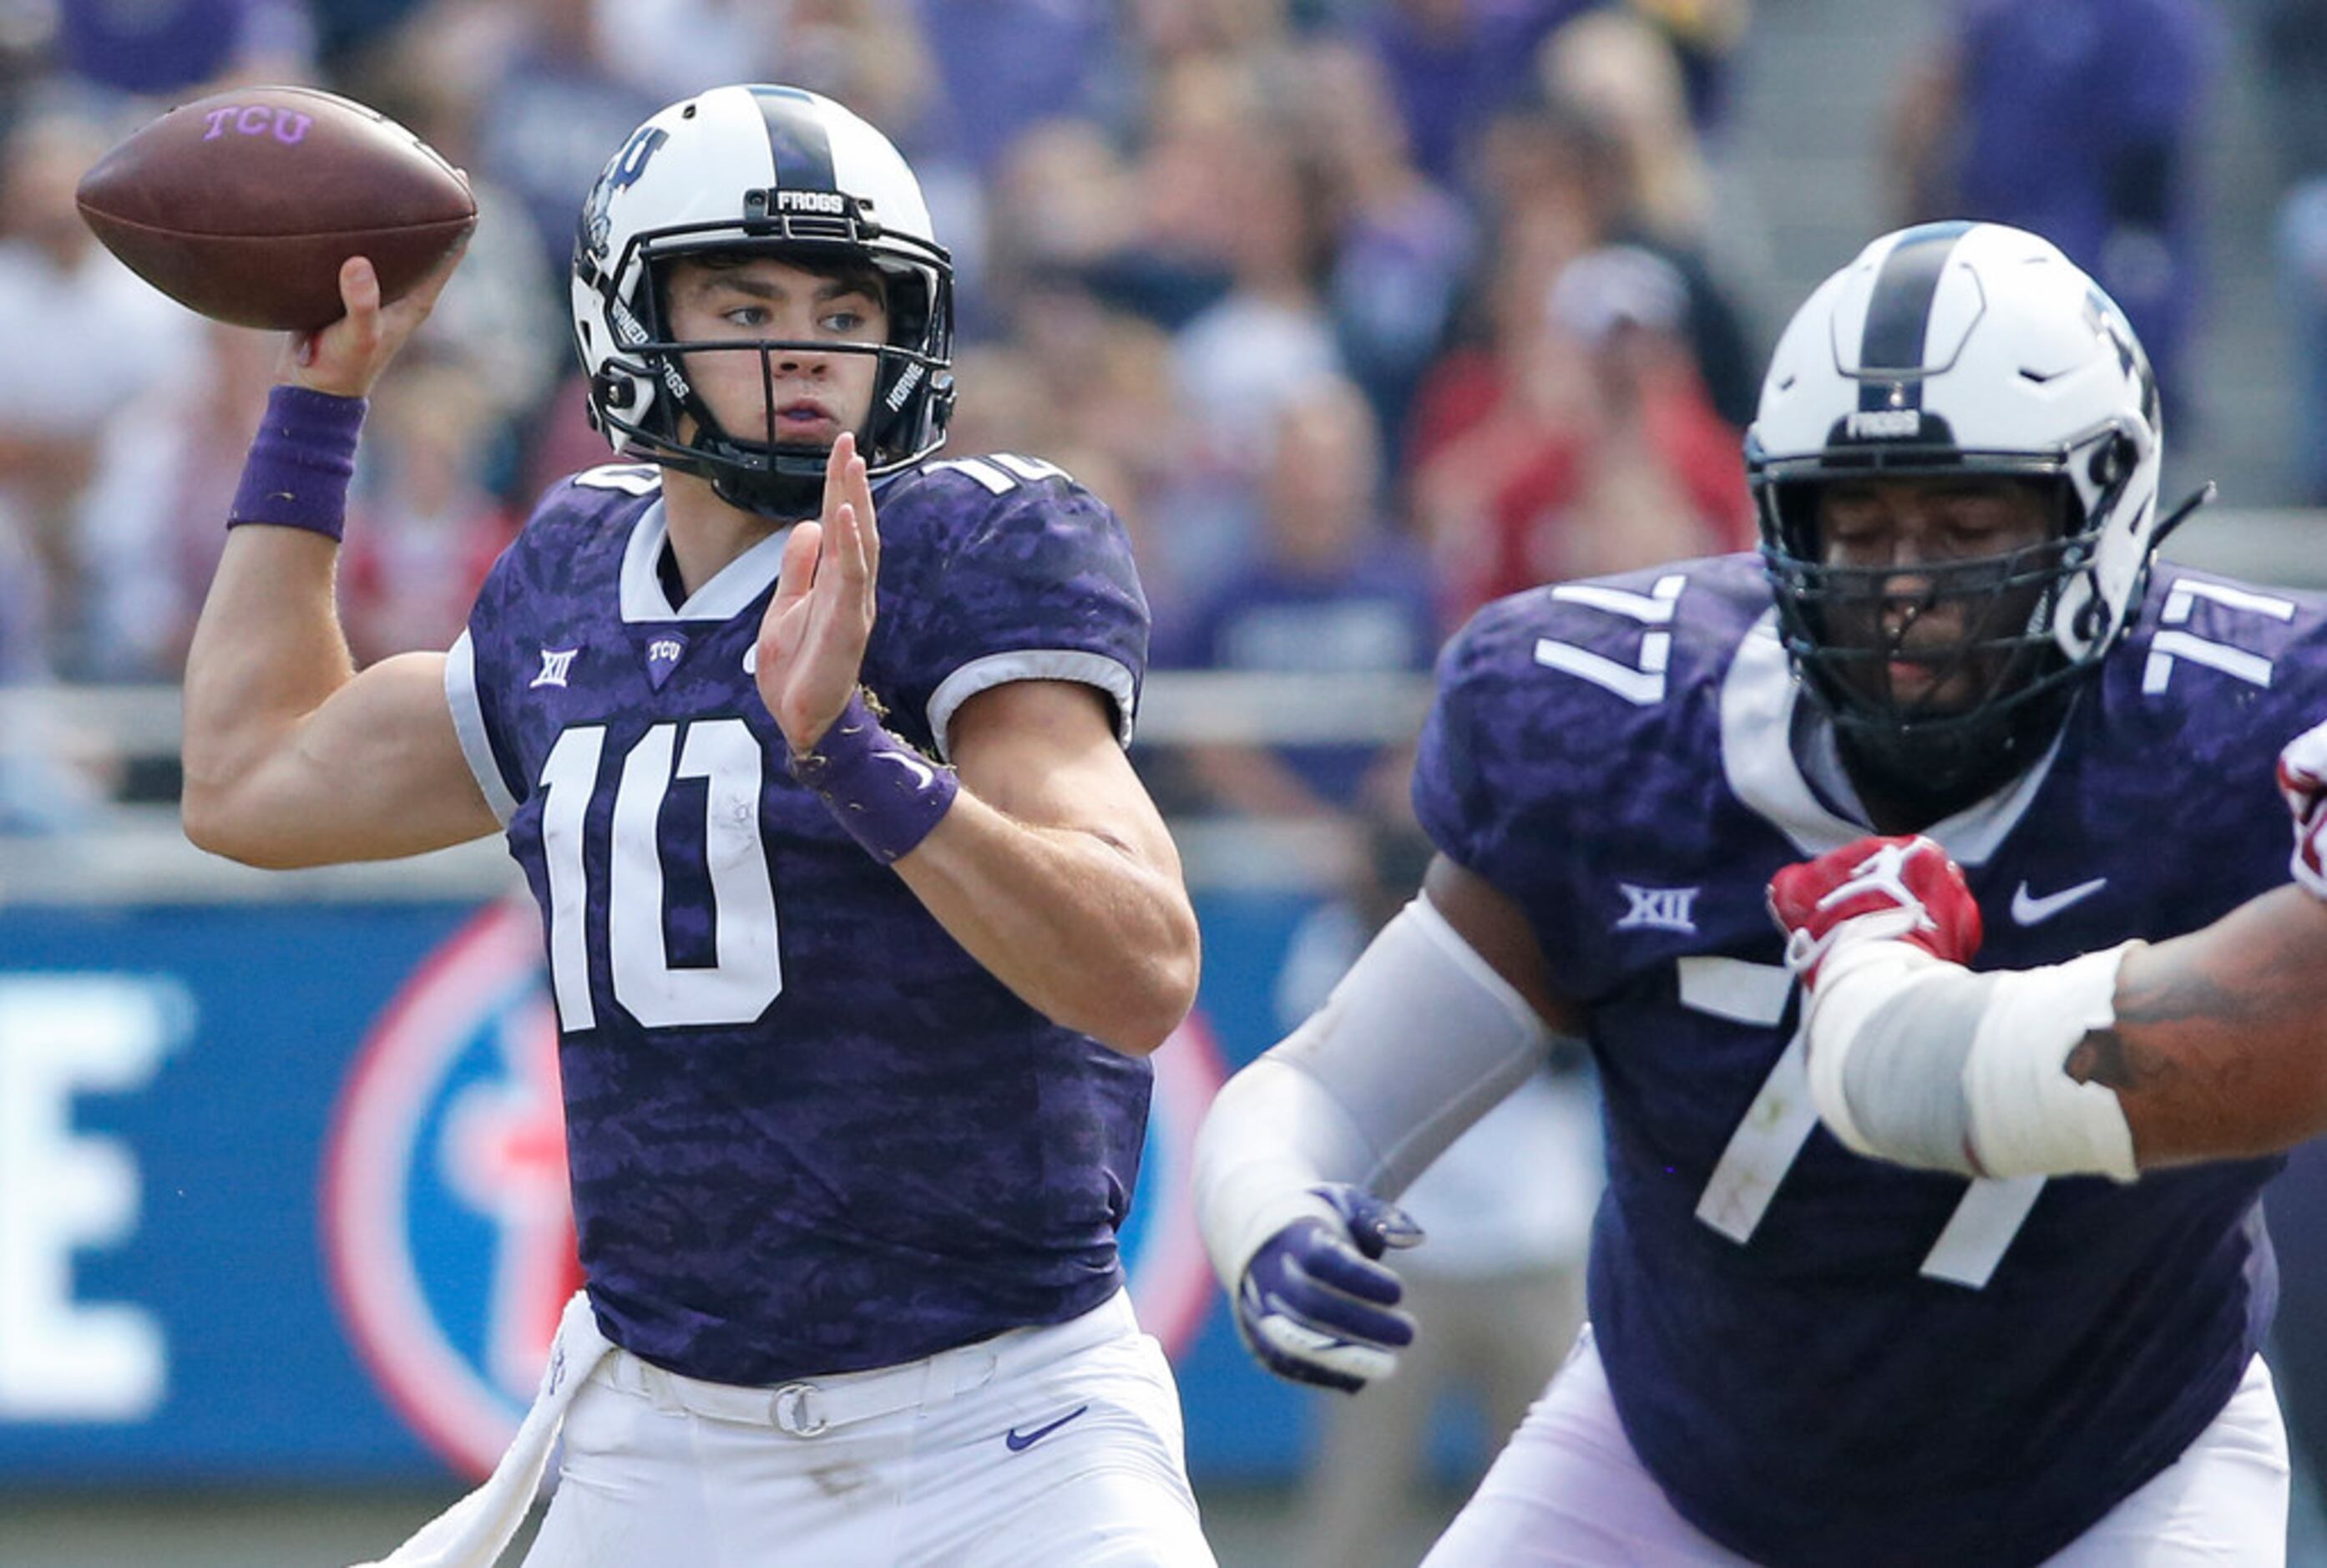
pixel 790 1409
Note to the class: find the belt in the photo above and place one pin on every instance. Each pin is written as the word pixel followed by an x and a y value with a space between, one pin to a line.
pixel 810 1407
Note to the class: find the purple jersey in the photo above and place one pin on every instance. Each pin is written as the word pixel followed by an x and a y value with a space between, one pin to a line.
pixel 1825 1359
pixel 808 1132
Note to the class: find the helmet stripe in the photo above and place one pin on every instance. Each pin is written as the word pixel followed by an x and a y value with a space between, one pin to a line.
pixel 796 138
pixel 1898 315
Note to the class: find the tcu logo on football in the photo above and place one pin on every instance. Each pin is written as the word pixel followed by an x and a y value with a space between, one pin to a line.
pixel 256 120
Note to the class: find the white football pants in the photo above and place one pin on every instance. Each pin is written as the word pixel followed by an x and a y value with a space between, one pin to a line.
pixel 1568 1492
pixel 1060 1446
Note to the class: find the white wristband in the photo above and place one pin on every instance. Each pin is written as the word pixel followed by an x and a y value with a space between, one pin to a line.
pixel 2028 1116
pixel 1921 1062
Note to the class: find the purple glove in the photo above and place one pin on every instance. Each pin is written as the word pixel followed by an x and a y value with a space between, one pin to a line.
pixel 1314 1307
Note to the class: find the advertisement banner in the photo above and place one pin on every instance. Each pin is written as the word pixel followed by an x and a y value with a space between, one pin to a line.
pixel 283 1197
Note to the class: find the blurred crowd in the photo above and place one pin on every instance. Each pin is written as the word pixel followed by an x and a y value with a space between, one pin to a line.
pixel 1359 311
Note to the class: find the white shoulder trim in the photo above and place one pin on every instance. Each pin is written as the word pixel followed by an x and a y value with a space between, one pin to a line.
pixel 725 596
pixel 1094 669
pixel 469 724
pixel 632 479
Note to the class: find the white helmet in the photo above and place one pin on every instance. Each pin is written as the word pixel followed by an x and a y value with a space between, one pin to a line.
pixel 1945 350
pixel 744 168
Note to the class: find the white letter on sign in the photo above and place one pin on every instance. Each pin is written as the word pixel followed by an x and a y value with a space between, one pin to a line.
pixel 64 1036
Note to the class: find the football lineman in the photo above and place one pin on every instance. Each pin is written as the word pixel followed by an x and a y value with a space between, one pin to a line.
pixel 859 925
pixel 1797 1355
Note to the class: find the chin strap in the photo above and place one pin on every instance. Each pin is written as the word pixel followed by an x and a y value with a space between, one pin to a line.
pixel 784 498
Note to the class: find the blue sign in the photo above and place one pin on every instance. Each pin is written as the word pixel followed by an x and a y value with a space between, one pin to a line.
pixel 283 1198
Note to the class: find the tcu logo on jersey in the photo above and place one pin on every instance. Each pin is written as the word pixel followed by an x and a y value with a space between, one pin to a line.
pixel 289 126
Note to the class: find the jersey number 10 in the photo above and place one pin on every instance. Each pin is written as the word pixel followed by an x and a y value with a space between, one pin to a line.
pixel 748 973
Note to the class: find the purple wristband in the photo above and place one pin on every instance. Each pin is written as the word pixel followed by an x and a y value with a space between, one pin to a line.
pixel 887 795
pixel 297 476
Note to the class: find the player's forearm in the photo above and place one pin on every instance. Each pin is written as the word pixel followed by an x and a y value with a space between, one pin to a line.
pixel 268 652
pixel 1090 933
pixel 2220 1045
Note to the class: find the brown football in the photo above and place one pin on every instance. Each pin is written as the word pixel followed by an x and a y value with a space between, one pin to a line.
pixel 243 205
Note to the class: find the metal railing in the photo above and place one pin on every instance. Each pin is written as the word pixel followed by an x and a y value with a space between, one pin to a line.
pixel 136 854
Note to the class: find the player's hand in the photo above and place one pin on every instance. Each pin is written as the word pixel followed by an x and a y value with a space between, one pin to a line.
pixel 812 639
pixel 2302 779
pixel 1901 889
pixel 1313 1304
pixel 346 357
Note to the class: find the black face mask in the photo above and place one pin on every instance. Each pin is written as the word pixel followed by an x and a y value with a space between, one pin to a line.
pixel 1942 681
pixel 911 404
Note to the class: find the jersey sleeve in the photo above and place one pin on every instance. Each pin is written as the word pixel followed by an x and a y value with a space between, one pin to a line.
pixel 1461 794
pixel 494 658
pixel 467 700
pixel 1036 582
pixel 1449 795
pixel 1573 723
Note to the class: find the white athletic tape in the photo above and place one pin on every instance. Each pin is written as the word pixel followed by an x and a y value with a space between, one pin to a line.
pixel 1918 1060
pixel 2028 1116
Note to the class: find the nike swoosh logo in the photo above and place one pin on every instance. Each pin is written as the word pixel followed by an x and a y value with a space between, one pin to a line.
pixel 2029 909
pixel 1020 1442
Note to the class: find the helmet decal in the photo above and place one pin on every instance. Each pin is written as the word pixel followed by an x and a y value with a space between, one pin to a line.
pixel 1892 348
pixel 619 175
pixel 803 152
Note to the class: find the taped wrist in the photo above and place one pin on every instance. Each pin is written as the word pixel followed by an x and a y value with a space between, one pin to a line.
pixel 887 795
pixel 2028 1116
pixel 296 475
pixel 1923 1062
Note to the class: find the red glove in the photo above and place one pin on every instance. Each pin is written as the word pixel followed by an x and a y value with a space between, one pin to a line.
pixel 2302 779
pixel 1905 889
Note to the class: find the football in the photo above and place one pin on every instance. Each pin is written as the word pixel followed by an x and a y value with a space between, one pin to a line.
pixel 243 205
